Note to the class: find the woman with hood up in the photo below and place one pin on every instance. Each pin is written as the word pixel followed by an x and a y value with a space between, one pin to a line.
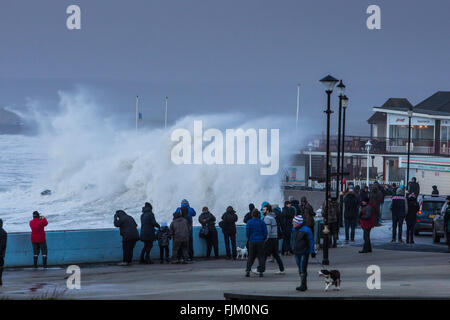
pixel 148 225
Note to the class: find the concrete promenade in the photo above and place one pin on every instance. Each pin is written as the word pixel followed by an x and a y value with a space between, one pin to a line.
pixel 403 273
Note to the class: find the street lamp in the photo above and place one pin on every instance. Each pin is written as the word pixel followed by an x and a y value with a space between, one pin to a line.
pixel 329 82
pixel 310 145
pixel 410 114
pixel 344 106
pixel 368 146
pixel 341 88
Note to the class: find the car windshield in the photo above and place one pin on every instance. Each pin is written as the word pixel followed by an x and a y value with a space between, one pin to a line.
pixel 432 206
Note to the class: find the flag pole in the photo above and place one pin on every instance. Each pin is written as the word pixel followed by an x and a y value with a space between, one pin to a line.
pixel 137 111
pixel 165 116
pixel 298 106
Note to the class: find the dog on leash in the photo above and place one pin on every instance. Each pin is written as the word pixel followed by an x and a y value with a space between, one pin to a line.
pixel 242 253
pixel 332 277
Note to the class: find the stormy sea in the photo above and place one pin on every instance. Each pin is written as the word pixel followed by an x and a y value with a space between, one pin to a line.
pixel 92 168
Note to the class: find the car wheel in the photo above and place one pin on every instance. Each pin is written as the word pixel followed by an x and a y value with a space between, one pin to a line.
pixel 435 236
pixel 416 232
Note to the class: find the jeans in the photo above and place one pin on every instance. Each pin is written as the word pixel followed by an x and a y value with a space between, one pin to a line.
pixel 367 247
pixel 163 250
pixel 302 262
pixel 350 224
pixel 227 239
pixel 410 230
pixel 397 221
pixel 212 242
pixel 256 250
pixel 128 247
pixel 271 249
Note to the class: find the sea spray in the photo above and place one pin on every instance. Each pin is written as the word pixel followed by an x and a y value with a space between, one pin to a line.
pixel 94 168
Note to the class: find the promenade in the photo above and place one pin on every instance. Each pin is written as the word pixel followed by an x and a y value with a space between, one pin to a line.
pixel 404 273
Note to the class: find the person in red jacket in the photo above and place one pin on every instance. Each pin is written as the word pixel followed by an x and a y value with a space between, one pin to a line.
pixel 367 222
pixel 37 226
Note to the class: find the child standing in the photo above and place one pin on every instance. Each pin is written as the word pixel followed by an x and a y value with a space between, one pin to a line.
pixel 163 237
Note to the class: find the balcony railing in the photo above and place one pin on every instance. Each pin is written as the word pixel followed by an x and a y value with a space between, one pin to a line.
pixel 356 144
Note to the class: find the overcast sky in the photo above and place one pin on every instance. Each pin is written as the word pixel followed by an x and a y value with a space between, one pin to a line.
pixel 238 55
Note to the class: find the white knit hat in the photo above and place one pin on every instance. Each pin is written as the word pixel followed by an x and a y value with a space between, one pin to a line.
pixel 298 219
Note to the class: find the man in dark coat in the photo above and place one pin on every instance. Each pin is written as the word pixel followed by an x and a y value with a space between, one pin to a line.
pixel 414 187
pixel 435 191
pixel 228 225
pixel 398 208
pixel 208 222
pixel 129 233
pixel 148 225
pixel 3 239
pixel 180 231
pixel 351 212
pixel 332 216
pixel 376 198
pixel 307 212
pixel 287 214
pixel 248 216
pixel 411 217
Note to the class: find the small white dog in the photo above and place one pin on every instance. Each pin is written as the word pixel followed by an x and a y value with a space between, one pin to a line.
pixel 242 253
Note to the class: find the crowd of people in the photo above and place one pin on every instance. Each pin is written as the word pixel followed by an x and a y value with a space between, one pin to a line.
pixel 293 225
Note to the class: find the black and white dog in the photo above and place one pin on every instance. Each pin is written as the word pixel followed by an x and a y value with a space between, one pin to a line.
pixel 332 277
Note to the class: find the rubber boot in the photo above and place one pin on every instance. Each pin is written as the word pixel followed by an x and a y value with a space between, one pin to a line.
pixel 35 260
pixel 44 260
pixel 302 286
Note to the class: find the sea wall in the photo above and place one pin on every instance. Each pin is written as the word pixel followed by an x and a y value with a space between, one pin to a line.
pixel 92 246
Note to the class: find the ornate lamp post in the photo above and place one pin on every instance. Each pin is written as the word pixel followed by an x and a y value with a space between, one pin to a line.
pixel 310 145
pixel 341 88
pixel 329 82
pixel 368 146
pixel 344 106
pixel 410 114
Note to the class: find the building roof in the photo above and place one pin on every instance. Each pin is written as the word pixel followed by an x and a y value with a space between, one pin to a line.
pixel 397 104
pixel 377 117
pixel 438 102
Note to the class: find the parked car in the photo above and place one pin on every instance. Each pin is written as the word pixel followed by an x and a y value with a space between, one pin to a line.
pixel 438 225
pixel 429 208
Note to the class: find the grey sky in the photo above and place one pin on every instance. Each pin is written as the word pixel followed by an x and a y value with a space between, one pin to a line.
pixel 210 56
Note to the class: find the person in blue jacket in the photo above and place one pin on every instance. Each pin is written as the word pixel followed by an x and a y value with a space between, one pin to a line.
pixel 256 234
pixel 302 246
pixel 187 212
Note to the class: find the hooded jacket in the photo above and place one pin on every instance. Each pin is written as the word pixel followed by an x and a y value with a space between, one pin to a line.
pixel 367 217
pixel 3 239
pixel 272 227
pixel 127 225
pixel 37 226
pixel 163 236
pixel 302 240
pixel 307 212
pixel 180 228
pixel 398 205
pixel 187 211
pixel 228 223
pixel 287 215
pixel 148 224
pixel 351 206
pixel 413 208
pixel 256 230
pixel 208 220
pixel 248 216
